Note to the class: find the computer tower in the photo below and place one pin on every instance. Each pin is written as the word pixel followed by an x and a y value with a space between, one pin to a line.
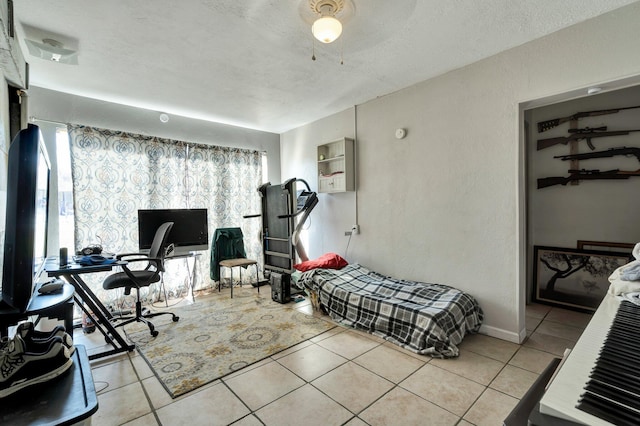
pixel 280 287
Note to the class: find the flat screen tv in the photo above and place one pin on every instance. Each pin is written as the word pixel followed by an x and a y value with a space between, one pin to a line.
pixel 190 230
pixel 25 240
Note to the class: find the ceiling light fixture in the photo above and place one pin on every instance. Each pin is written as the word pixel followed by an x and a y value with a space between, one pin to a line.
pixel 52 50
pixel 327 28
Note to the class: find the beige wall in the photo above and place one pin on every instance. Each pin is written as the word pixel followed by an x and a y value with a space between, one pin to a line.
pixel 447 203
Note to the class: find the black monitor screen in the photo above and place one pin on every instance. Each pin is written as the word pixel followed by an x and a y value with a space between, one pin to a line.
pixel 189 232
pixel 25 242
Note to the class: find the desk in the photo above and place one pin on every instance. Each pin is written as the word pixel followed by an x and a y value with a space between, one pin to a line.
pixel 191 273
pixel 54 305
pixel 72 274
pixel 66 399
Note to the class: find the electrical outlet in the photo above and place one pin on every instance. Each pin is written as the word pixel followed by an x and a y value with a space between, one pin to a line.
pixel 355 229
pixel 347 233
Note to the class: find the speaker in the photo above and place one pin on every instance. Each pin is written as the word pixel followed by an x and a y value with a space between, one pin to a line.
pixel 64 260
pixel 280 287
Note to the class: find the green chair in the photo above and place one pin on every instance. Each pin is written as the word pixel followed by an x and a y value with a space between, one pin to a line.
pixel 227 251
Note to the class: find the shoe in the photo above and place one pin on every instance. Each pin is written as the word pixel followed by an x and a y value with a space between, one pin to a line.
pixel 29 334
pixel 20 367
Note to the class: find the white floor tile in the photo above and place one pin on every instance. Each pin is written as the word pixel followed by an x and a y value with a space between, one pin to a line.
pixel 343 377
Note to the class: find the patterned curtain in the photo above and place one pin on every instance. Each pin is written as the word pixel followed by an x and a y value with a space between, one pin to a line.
pixel 116 173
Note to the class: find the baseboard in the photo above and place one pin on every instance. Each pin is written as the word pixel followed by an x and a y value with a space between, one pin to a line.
pixel 499 333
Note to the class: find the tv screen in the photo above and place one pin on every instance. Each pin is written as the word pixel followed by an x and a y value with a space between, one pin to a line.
pixel 190 230
pixel 25 242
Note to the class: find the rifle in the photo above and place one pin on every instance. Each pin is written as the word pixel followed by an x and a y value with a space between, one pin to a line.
pixel 543 126
pixel 601 154
pixel 584 175
pixel 579 134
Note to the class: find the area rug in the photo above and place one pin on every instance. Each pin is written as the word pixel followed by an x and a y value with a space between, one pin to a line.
pixel 220 336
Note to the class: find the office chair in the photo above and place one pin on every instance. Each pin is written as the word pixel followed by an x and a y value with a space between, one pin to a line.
pixel 136 278
pixel 227 251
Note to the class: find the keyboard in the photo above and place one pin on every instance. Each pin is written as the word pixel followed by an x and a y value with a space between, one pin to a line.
pixel 599 381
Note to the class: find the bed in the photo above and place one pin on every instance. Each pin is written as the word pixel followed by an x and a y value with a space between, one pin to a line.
pixel 428 319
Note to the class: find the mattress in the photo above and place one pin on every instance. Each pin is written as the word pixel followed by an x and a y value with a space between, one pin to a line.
pixel 428 319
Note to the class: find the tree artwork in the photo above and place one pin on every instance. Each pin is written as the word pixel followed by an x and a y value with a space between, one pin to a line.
pixel 574 278
pixel 564 265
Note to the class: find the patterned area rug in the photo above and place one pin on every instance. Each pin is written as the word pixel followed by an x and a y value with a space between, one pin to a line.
pixel 219 336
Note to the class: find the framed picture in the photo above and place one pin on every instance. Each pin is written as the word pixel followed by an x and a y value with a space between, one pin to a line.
pixel 604 245
pixel 572 278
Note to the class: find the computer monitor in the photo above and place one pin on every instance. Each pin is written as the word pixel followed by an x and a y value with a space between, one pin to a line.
pixel 190 230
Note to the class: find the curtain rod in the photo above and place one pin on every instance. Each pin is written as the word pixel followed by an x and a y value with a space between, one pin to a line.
pixel 32 119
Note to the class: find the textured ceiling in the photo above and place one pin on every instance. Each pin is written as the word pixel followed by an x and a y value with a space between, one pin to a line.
pixel 248 62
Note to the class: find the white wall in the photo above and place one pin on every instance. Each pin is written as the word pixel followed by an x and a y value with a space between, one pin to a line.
pixel 335 213
pixel 65 108
pixel 598 210
pixel 594 210
pixel 447 203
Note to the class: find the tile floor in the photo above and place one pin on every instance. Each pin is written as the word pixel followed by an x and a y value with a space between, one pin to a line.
pixel 344 377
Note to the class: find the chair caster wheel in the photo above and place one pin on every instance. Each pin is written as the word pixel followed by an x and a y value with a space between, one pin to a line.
pixel 175 319
pixel 108 340
pixel 154 333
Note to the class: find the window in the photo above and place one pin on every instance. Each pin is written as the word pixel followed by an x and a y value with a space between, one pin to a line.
pixel 65 190
pixel 265 170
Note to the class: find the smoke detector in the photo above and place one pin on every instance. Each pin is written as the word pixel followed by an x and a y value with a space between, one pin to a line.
pixel 52 50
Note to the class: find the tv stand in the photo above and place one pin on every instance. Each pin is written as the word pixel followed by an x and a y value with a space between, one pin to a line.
pixel 67 399
pixel 5 308
pixel 54 305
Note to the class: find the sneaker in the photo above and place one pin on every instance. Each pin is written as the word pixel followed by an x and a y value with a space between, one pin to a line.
pixel 29 335
pixel 20 367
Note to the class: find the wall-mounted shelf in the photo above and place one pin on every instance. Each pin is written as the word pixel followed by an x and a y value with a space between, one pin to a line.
pixel 336 166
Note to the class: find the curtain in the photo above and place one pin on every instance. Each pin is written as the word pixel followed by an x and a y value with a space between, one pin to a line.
pixel 116 173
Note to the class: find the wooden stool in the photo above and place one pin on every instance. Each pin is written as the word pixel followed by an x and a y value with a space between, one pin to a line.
pixel 242 262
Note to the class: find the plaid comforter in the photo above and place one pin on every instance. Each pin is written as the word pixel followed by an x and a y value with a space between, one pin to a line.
pixel 429 319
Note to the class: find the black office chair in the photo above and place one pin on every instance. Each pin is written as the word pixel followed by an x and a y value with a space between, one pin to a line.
pixel 135 279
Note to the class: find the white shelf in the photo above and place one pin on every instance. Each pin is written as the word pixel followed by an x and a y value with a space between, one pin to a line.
pixel 336 166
